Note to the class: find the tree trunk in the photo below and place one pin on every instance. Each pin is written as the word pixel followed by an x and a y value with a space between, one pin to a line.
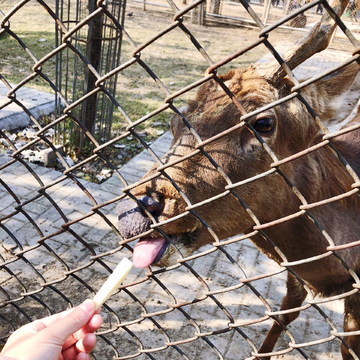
pixel 94 56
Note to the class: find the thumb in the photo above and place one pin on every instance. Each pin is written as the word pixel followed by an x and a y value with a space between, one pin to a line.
pixel 72 322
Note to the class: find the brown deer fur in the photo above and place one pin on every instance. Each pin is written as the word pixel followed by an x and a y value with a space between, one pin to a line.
pixel 318 176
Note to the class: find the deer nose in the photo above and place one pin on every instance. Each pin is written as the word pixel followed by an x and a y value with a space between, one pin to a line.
pixel 132 219
pixel 154 207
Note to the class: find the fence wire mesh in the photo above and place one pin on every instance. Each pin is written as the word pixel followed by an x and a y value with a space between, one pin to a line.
pixel 60 238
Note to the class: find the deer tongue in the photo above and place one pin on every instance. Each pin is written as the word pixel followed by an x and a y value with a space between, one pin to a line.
pixel 146 251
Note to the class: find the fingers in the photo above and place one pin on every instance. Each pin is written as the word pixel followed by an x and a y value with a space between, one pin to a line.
pixel 93 325
pixel 45 322
pixel 87 344
pixel 83 356
pixel 68 334
pixel 38 325
pixel 81 348
pixel 71 323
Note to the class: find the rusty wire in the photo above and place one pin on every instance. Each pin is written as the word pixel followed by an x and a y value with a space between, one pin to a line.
pixel 36 295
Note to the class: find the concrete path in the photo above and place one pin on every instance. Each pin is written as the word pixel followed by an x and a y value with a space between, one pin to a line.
pixel 12 116
pixel 215 268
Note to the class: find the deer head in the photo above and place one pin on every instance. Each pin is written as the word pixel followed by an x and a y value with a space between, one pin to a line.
pixel 202 165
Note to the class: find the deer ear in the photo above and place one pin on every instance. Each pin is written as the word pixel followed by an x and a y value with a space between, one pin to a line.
pixel 336 95
pixel 176 123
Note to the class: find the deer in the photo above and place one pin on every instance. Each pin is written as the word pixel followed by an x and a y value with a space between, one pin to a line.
pixel 219 152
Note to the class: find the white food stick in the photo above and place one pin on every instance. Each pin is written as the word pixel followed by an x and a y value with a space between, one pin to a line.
pixel 113 282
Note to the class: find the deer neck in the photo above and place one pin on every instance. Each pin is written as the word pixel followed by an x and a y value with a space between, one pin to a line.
pixel 325 178
pixel 320 176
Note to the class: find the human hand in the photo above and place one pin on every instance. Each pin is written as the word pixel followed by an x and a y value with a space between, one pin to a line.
pixel 64 336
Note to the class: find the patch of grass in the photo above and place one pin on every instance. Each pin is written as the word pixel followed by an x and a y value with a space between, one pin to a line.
pixel 35 30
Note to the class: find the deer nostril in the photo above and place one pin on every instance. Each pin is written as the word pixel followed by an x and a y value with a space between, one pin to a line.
pixel 151 205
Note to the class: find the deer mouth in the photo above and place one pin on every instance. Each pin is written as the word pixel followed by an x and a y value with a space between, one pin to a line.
pixel 149 251
pixel 153 251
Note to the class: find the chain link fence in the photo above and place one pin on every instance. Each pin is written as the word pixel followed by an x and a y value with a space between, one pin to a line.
pixel 60 239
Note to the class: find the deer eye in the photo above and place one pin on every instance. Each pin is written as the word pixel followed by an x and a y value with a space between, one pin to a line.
pixel 264 125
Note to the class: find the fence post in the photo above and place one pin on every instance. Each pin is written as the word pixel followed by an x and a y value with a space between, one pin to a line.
pixel 267 5
pixel 144 5
pixel 201 14
pixel 286 7
pixel 198 14
pixel 93 51
pixel 215 6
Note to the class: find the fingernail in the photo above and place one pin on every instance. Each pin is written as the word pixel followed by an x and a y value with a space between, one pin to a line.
pixel 88 305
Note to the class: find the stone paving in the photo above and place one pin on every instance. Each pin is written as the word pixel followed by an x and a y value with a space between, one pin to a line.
pixel 37 102
pixel 215 268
